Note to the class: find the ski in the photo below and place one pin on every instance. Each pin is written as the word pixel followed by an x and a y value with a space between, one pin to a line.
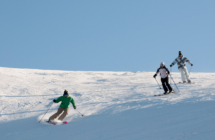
pixel 55 123
pixel 166 94
pixel 185 83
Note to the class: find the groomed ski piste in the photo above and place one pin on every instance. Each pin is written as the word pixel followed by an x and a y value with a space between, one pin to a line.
pixel 116 106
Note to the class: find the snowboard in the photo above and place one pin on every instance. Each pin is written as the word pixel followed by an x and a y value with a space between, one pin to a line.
pixel 166 94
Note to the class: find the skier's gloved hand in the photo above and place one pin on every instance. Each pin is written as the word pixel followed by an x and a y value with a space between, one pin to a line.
pixel 191 64
pixel 155 75
pixel 54 100
pixel 74 107
pixel 170 65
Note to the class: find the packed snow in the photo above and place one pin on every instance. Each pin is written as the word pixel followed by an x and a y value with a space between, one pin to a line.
pixel 115 105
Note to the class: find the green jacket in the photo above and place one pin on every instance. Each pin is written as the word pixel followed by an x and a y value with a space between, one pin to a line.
pixel 65 101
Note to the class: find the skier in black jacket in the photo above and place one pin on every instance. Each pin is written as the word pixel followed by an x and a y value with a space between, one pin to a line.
pixel 164 77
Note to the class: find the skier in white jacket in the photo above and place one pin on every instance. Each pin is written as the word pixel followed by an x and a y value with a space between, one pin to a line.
pixel 180 60
pixel 164 77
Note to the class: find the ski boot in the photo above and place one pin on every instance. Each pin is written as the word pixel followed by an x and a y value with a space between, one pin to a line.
pixel 49 121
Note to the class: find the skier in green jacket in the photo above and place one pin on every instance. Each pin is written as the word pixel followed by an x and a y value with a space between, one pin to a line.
pixel 64 106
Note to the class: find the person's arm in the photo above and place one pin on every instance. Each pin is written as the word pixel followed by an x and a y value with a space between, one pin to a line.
pixel 188 61
pixel 158 71
pixel 73 103
pixel 173 63
pixel 167 70
pixel 58 100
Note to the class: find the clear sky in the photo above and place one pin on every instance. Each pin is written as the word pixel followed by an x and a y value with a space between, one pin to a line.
pixel 106 35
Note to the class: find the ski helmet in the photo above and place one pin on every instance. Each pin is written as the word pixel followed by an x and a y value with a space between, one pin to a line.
pixel 162 64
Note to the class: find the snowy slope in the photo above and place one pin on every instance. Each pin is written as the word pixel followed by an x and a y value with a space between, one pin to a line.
pixel 116 105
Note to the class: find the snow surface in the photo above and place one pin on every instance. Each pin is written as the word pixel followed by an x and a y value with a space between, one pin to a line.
pixel 116 106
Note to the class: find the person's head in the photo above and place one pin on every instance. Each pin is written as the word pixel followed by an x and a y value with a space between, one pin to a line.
pixel 180 54
pixel 65 93
pixel 162 64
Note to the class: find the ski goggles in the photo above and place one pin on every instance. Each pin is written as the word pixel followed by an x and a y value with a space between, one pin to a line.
pixel 65 94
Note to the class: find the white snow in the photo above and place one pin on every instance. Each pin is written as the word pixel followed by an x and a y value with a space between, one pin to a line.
pixel 116 106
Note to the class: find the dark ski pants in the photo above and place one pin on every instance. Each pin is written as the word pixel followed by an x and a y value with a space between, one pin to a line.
pixel 165 84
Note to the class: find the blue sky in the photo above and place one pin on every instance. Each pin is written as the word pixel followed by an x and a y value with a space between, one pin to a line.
pixel 113 35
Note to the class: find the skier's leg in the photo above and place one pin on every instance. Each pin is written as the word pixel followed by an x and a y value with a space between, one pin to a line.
pixel 186 74
pixel 168 85
pixel 182 74
pixel 163 84
pixel 65 113
pixel 54 116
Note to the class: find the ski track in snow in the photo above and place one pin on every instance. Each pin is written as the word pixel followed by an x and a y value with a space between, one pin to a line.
pixel 25 93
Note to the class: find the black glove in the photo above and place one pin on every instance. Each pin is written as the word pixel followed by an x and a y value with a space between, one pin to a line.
pixel 191 64
pixel 74 107
pixel 170 65
pixel 155 75
pixel 54 100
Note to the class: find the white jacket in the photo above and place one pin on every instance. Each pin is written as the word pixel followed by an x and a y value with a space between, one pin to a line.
pixel 181 62
pixel 163 72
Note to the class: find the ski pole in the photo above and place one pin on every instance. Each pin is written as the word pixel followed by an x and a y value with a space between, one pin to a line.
pixel 190 70
pixel 174 82
pixel 170 72
pixel 80 113
pixel 158 83
pixel 46 111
